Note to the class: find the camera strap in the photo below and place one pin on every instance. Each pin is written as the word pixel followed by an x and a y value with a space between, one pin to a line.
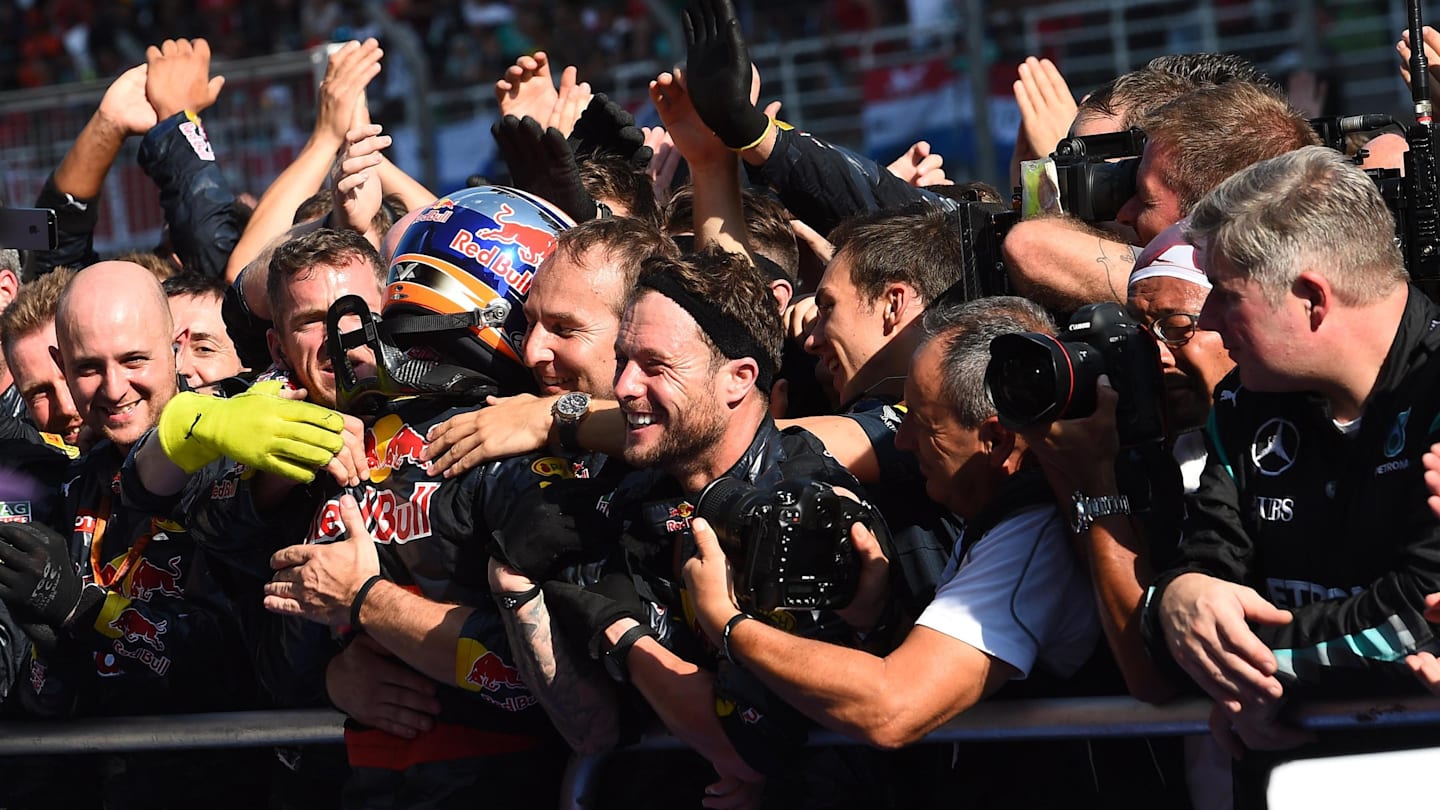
pixel 1022 490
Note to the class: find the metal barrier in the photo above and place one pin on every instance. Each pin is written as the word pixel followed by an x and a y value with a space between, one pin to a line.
pixel 1059 718
pixel 1067 718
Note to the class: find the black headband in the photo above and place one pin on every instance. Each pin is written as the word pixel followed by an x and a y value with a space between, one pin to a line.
pixel 729 336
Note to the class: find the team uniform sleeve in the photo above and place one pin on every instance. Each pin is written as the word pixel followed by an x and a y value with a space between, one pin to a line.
pixel 198 202
pixel 822 184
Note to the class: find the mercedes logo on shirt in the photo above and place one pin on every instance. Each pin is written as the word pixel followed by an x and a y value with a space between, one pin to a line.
pixel 1276 445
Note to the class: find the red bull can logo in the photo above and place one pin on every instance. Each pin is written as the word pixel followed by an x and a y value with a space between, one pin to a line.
pixel 134 626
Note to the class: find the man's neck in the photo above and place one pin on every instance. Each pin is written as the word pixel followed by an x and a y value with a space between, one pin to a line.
pixel 1368 335
pixel 884 373
pixel 739 434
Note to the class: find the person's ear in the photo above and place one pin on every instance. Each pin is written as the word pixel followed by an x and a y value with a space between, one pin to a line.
pixel 997 442
pixel 277 351
pixel 738 378
pixel 1315 294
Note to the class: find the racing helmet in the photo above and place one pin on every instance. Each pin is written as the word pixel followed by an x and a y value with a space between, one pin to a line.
pixel 460 274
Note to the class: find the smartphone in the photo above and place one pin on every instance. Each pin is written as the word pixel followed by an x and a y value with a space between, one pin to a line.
pixel 28 229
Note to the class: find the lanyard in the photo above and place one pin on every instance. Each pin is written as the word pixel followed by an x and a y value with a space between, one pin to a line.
pixel 102 521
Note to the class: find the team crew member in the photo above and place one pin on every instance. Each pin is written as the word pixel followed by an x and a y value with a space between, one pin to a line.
pixel 1283 585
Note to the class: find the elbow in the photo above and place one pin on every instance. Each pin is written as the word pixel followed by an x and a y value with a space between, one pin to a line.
pixel 893 727
pixel 891 737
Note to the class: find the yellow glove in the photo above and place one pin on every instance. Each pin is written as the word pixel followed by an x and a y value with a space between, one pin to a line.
pixel 258 429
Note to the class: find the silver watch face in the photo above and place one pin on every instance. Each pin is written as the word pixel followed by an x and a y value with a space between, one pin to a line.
pixel 572 406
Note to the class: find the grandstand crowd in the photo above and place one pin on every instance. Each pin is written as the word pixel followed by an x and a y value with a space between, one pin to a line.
pixel 714 429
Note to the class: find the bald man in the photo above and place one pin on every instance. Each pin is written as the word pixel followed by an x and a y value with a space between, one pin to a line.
pixel 139 624
pixel 114 333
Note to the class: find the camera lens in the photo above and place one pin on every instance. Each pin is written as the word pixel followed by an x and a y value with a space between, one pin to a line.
pixel 1029 378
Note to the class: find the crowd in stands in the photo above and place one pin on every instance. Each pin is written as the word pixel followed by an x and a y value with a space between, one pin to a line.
pixel 716 429
pixel 465 43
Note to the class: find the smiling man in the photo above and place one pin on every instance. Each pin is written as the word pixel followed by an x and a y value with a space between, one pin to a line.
pixel 573 310
pixel 27 333
pixel 307 275
pixel 887 268
pixel 138 621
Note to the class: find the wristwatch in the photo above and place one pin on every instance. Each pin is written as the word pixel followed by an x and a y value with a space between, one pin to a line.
pixel 614 658
pixel 568 410
pixel 1084 511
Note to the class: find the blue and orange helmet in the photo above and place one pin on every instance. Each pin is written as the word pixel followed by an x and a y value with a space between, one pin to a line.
pixel 473 251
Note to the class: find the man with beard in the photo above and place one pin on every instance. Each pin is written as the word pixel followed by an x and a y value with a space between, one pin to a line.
pixel 697 347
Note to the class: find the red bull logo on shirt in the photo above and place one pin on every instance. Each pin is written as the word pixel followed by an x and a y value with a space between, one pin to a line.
pixel 390 517
pixel 498 683
pixel 391 444
pixel 679 517
pixel 147 579
pixel 134 626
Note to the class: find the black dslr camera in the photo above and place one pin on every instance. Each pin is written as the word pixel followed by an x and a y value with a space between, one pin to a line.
pixel 794 540
pixel 1094 185
pixel 1035 378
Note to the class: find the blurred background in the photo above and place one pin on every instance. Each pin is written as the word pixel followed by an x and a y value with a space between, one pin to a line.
pixel 875 75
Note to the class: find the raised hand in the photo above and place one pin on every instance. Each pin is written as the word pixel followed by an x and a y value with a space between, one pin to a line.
pixel 1047 108
pixel 920 167
pixel 356 180
pixel 719 74
pixel 179 78
pixel 349 71
pixel 125 106
pixel 1431 38
pixel 688 132
pixel 527 89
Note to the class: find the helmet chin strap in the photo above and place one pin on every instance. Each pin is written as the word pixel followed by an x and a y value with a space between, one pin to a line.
pixel 397 373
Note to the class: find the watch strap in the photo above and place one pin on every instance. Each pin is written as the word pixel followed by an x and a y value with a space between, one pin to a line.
pixel 1087 510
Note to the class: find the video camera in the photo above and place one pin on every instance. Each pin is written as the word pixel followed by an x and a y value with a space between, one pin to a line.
pixel 982 226
pixel 1035 378
pixel 1089 184
pixel 794 540
pixel 1095 174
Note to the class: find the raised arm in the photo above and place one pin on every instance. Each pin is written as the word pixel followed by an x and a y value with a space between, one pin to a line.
pixel 350 70
pixel 73 190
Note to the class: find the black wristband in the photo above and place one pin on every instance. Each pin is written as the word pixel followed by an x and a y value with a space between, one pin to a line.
pixel 725 635
pixel 514 600
pixel 615 658
pixel 360 600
